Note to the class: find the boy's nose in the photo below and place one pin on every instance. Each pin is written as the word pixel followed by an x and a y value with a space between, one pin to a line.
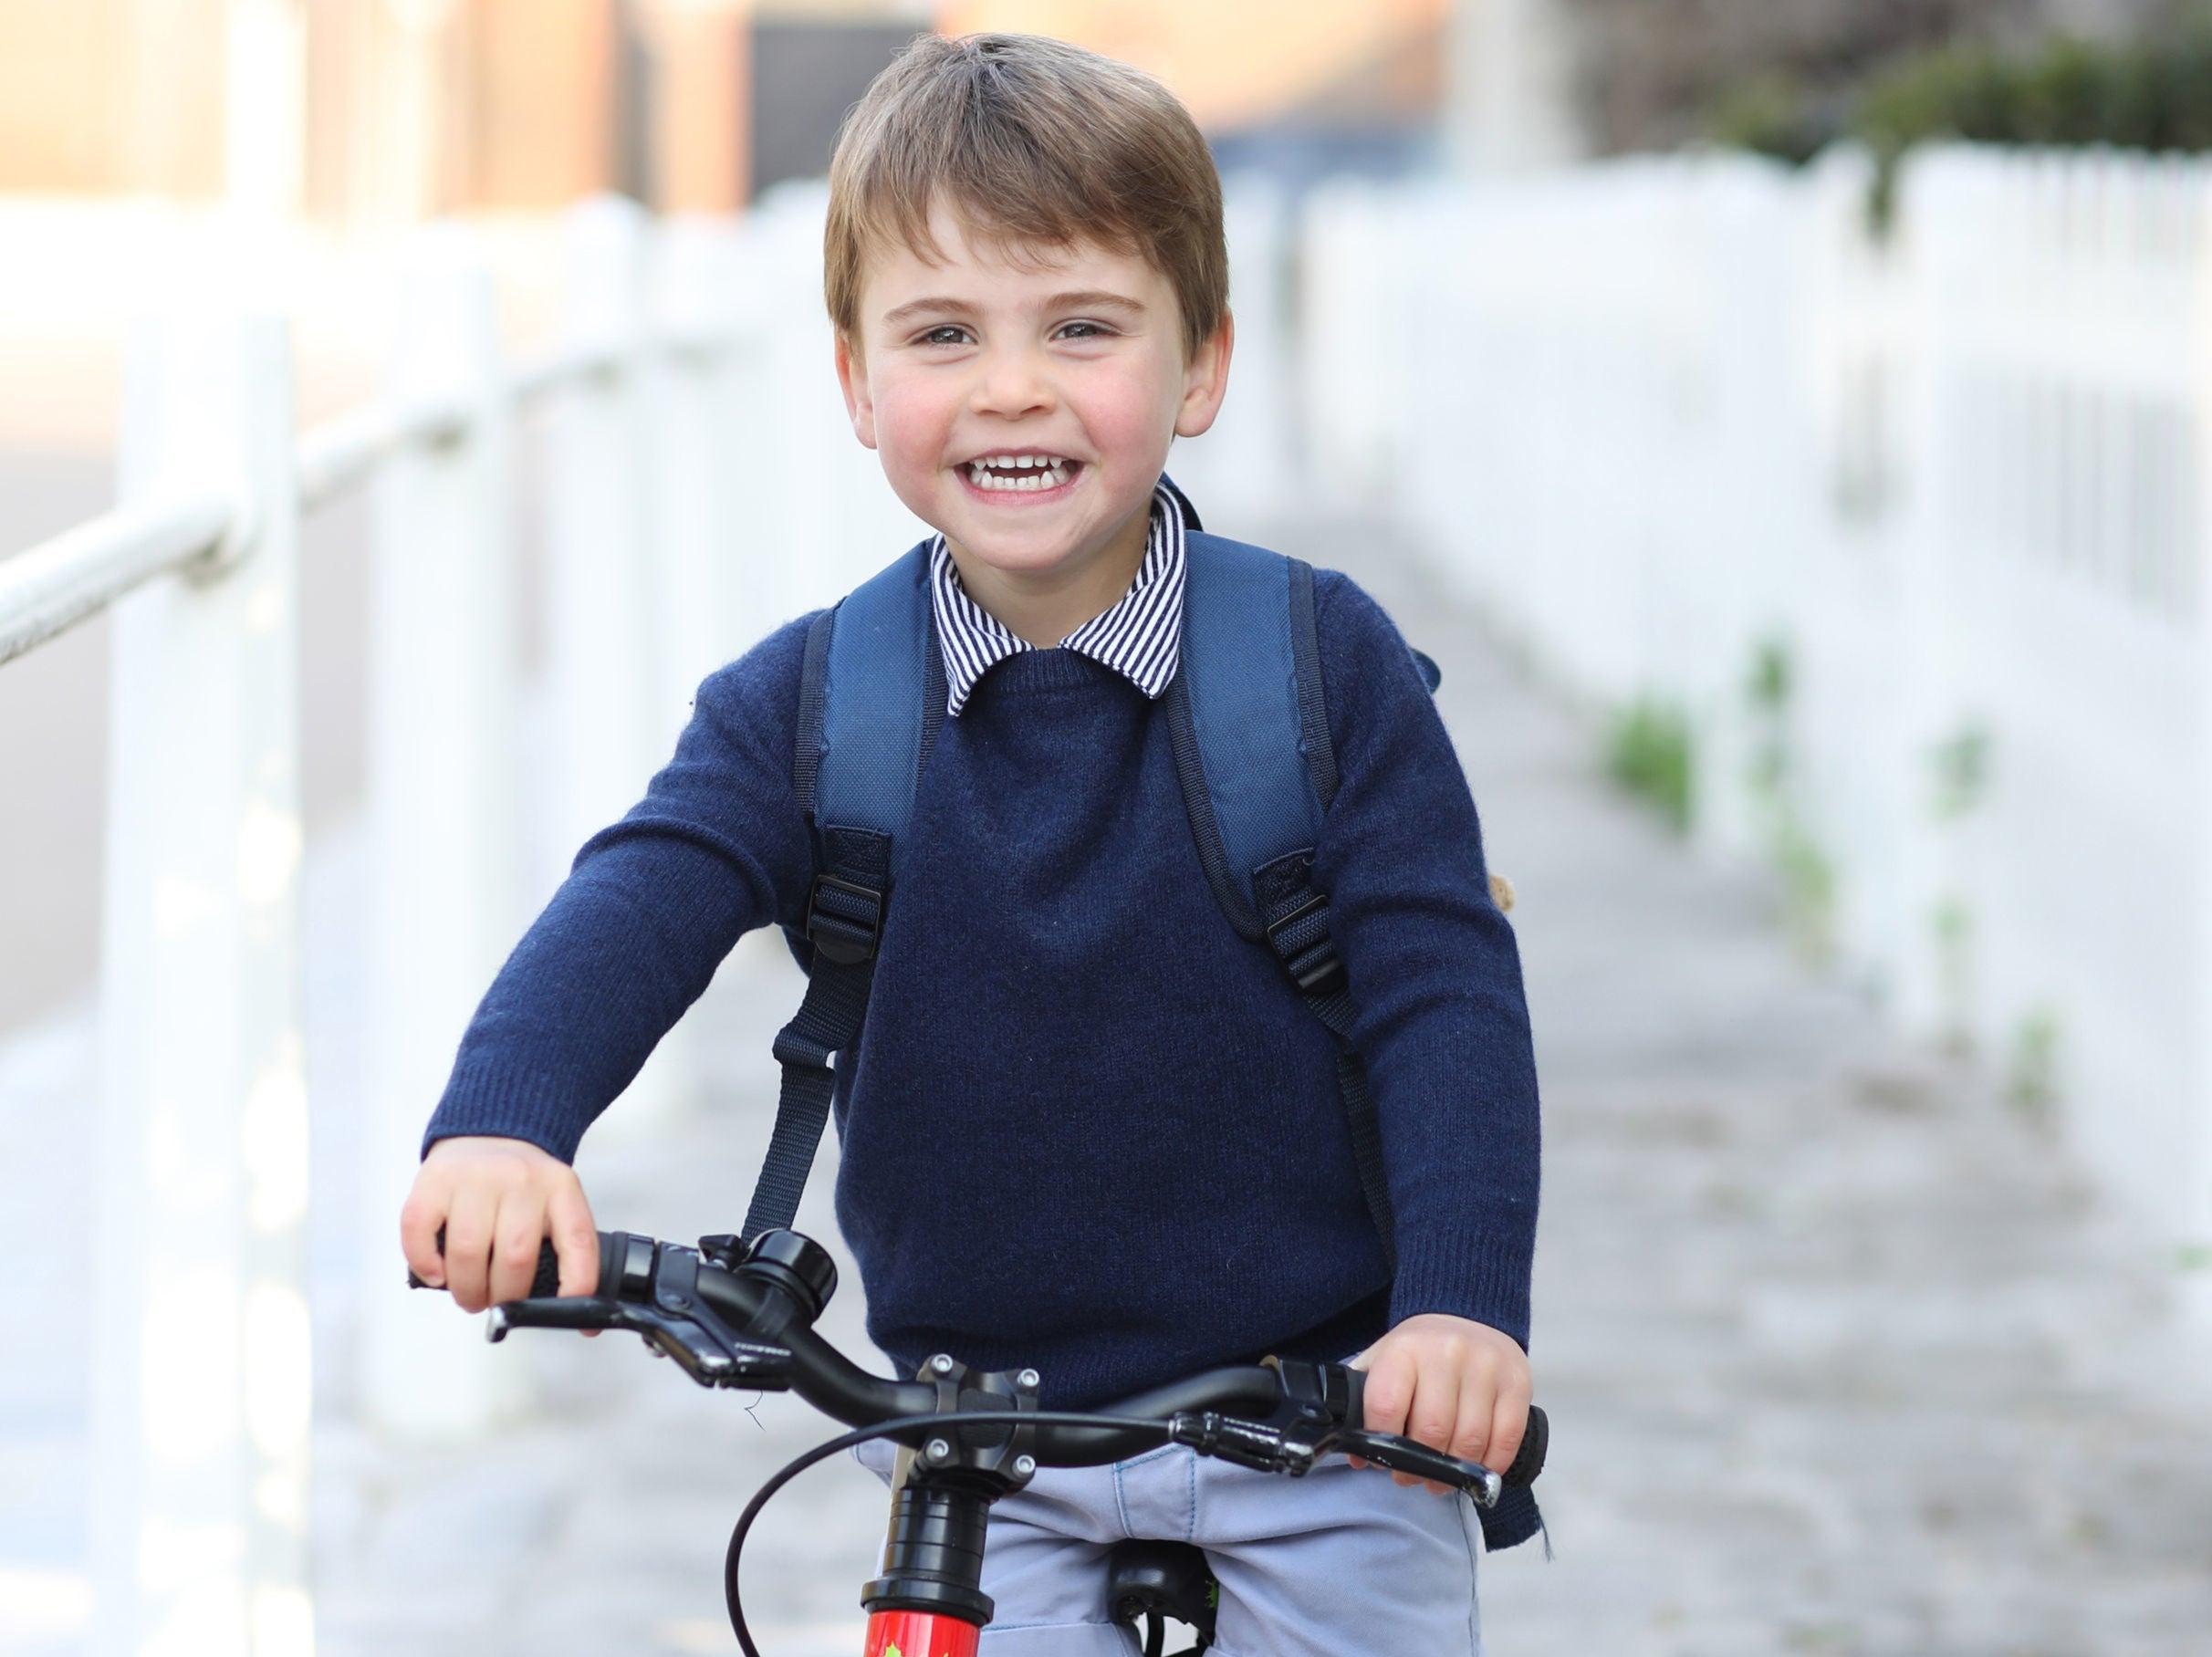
pixel 1011 383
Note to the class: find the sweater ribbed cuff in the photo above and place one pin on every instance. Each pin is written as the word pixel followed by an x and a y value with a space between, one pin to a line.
pixel 1466 1271
pixel 503 1102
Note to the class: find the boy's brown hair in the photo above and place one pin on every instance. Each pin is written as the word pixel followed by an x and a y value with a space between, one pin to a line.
pixel 1031 141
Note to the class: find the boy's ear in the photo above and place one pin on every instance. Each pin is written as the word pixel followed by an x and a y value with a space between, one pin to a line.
pixel 1205 380
pixel 852 379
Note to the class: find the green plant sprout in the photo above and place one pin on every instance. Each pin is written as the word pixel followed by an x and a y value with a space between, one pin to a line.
pixel 2032 1084
pixel 1649 752
pixel 1962 773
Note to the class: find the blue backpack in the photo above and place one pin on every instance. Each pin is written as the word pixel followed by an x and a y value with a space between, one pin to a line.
pixel 1250 736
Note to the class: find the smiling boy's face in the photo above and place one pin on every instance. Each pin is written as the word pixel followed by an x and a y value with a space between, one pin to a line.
pixel 1023 405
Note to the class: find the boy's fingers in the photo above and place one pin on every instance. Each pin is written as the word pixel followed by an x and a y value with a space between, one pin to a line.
pixel 1434 1418
pixel 468 1248
pixel 1474 1438
pixel 1388 1396
pixel 521 1228
pixel 1508 1420
pixel 1509 1426
pixel 1388 1393
pixel 420 1217
pixel 575 1240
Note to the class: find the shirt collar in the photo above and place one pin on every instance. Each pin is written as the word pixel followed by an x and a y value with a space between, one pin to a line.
pixel 1141 637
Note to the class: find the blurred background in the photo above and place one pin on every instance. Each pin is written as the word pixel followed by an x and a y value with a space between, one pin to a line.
pixel 1786 419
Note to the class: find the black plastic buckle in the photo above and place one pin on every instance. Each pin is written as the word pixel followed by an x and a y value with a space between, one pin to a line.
pixel 848 927
pixel 1315 968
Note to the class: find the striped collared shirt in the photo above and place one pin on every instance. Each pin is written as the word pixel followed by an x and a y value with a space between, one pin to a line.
pixel 1140 638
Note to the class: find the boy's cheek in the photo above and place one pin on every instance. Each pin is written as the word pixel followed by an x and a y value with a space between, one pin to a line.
pixel 905 458
pixel 910 434
pixel 910 464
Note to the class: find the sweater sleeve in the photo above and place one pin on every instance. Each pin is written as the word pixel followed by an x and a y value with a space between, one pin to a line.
pixel 718 846
pixel 1443 1024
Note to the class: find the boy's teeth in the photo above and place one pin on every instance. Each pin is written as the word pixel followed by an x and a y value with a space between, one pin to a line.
pixel 1019 472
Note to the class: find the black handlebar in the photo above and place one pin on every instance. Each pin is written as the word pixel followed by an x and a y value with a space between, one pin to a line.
pixel 734 1317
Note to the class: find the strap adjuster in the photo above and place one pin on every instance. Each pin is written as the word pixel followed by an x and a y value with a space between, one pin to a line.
pixel 1301 942
pixel 844 920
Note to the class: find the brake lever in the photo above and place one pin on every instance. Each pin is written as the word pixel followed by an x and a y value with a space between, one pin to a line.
pixel 1411 1457
pixel 708 1353
pixel 579 1312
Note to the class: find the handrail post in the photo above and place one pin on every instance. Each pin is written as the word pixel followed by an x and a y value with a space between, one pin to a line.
pixel 445 826
pixel 2195 577
pixel 201 1380
pixel 1237 472
pixel 1933 986
pixel 699 459
pixel 607 578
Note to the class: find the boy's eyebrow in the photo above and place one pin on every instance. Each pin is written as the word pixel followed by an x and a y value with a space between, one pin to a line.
pixel 1094 299
pixel 932 307
pixel 1089 299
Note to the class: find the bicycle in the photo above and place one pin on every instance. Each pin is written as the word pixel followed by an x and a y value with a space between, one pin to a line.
pixel 734 1314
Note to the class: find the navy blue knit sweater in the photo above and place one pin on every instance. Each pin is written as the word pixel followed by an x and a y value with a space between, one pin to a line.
pixel 1089 1129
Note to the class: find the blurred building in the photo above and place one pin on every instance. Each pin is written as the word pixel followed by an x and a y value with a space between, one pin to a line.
pixel 1515 70
pixel 1378 112
pixel 376 110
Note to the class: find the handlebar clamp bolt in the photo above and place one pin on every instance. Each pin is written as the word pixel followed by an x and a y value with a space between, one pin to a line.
pixel 938 1450
pixel 941 1364
pixel 1029 1380
pixel 1024 1466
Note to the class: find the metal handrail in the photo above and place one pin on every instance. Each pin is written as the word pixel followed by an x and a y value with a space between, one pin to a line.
pixel 344 450
pixel 59 583
pixel 558 369
pixel 201 1015
pixel 71 578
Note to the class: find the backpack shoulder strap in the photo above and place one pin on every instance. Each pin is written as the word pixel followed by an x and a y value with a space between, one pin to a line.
pixel 1250 733
pixel 874 718
pixel 1245 717
pixel 871 699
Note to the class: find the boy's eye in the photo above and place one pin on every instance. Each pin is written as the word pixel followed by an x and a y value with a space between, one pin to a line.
pixel 945 334
pixel 1083 330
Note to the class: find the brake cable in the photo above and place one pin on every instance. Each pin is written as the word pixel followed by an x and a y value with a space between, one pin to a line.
pixel 885 1429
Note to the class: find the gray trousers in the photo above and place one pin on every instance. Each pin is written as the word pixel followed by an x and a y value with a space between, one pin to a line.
pixel 1340 1563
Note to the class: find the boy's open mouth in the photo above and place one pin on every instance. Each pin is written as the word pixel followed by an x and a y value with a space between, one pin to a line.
pixel 1019 474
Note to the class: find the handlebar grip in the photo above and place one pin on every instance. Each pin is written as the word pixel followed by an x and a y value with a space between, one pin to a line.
pixel 1535 1442
pixel 546 1284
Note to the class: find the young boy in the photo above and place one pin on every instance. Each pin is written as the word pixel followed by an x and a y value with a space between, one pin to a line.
pixel 1132 1113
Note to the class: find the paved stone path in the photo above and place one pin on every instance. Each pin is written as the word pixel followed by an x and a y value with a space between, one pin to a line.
pixel 1843 1357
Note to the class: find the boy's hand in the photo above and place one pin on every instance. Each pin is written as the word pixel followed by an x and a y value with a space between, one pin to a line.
pixel 1455 1385
pixel 497 1199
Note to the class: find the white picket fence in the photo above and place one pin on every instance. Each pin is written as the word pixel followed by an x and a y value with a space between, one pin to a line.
pixel 701 483
pixel 1688 427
